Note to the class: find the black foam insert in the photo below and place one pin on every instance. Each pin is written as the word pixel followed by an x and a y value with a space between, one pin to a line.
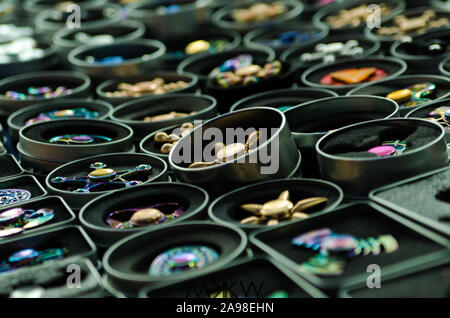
pixel 256 278
pixel 63 215
pixel 431 283
pixel 361 221
pixel 356 142
pixel 69 237
pixel 433 201
pixel 229 210
pixel 24 183
pixel 43 132
pixel 8 166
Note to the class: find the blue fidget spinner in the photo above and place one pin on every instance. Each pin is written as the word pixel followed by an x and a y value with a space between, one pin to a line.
pixel 103 178
pixel 31 257
pixel 10 196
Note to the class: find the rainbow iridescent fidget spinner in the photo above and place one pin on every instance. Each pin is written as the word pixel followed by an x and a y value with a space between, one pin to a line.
pixel 17 220
pixel 77 139
pixel 61 114
pixel 183 258
pixel 103 178
pixel 10 196
pixel 31 257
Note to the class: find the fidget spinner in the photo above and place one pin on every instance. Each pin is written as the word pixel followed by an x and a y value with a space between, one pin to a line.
pixel 353 76
pixel 328 53
pixel 291 37
pixel 15 221
pixel 389 148
pixel 259 12
pixel 102 178
pixel 181 259
pixel 139 217
pixel 225 153
pixel 20 49
pixel 355 16
pixel 200 46
pixel 10 196
pixel 168 141
pixel 61 114
pixel 76 139
pixel 441 116
pixel 413 95
pixel 39 93
pixel 110 60
pixel 280 209
pixel 334 249
pixel 168 116
pixel 31 257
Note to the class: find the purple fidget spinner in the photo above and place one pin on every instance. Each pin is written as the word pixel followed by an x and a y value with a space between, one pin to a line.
pixel 77 139
pixel 139 217
pixel 10 196
pixel 103 178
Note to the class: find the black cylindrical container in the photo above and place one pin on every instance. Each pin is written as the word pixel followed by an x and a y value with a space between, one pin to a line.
pixel 270 278
pixel 187 18
pixel 415 245
pixel 50 21
pixel 424 112
pixel 294 53
pixel 45 62
pixel 19 118
pixel 9 167
pixel 119 162
pixel 93 215
pixel 66 39
pixel 424 54
pixel 283 98
pixel 387 40
pixel 384 87
pixel 226 209
pixel 312 76
pixel 140 56
pixel 78 83
pixel 7 11
pixel 312 120
pixel 441 4
pixel 133 112
pixel 140 250
pixel 176 46
pixel 201 64
pixel 266 36
pixel 344 156
pixel 34 7
pixel 274 157
pixel 38 152
pixel 168 77
pixel 222 18
pixel 319 18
